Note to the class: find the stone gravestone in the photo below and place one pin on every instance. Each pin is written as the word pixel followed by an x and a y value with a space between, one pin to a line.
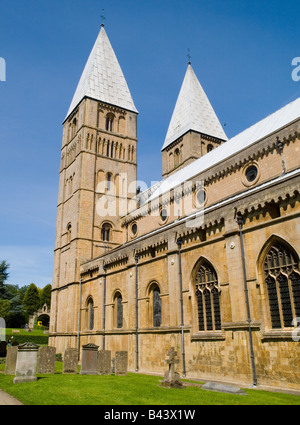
pixel 11 360
pixel 70 360
pixel 113 365
pixel 121 362
pixel 46 362
pixel 104 362
pixel 172 378
pixel 3 345
pixel 26 363
pixel 89 360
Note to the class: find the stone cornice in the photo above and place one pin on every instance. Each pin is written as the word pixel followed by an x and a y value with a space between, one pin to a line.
pixel 254 152
pixel 112 108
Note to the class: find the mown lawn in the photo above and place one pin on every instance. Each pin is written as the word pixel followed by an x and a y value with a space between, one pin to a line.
pixel 134 389
pixel 35 331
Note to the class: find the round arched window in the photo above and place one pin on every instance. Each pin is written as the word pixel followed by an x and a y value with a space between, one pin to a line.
pixel 106 232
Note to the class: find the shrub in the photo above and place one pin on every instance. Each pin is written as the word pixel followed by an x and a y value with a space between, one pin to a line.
pixel 35 339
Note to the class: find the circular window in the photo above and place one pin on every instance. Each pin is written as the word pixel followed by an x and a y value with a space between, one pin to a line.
pixel 201 197
pixel 164 214
pixel 134 229
pixel 251 173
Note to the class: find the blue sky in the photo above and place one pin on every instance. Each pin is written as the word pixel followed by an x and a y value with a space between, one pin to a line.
pixel 241 51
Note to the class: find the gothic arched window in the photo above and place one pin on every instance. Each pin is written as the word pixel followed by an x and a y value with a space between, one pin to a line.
pixel 282 279
pixel 208 298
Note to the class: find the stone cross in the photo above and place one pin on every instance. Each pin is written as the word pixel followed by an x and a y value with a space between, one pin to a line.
pixel 172 378
pixel 171 361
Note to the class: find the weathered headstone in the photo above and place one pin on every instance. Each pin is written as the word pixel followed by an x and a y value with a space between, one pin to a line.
pixel 11 360
pixel 70 364
pixel 104 362
pixel 89 359
pixel 223 388
pixel 26 363
pixel 3 345
pixel 172 378
pixel 121 362
pixel 113 365
pixel 46 360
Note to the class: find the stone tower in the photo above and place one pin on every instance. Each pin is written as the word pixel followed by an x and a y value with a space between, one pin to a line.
pixel 97 176
pixel 194 129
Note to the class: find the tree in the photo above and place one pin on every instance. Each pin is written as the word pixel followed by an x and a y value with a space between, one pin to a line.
pixel 46 296
pixel 16 314
pixel 4 309
pixel 4 266
pixel 31 299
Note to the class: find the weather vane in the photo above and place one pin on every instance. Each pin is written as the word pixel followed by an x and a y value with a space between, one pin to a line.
pixel 103 18
pixel 189 56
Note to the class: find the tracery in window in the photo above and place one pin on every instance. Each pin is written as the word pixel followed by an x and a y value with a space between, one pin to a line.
pixel 208 298
pixel 282 279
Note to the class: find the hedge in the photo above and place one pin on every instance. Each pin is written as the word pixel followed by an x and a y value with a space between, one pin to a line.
pixel 35 339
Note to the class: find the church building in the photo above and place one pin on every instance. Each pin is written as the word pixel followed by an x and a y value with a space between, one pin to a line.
pixel 205 261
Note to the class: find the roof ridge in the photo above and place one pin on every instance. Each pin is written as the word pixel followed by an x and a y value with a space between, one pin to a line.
pixel 251 135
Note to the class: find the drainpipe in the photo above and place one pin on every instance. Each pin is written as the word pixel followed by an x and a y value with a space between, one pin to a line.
pixel 136 257
pixel 240 222
pixel 104 306
pixel 179 243
pixel 79 316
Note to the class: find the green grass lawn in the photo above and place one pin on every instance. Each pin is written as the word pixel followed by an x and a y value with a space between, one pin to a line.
pixel 134 389
pixel 35 331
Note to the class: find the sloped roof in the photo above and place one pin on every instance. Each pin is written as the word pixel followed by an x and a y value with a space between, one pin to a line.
pixel 193 111
pixel 248 137
pixel 102 78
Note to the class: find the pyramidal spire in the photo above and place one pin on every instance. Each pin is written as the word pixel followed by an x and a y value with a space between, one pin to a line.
pixel 193 111
pixel 102 78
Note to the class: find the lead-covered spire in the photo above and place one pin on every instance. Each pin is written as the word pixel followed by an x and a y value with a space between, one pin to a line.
pixel 193 111
pixel 102 78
